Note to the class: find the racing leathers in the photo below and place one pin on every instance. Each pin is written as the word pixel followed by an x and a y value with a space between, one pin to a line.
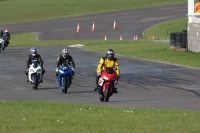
pixel 67 59
pixel 109 63
pixel 29 61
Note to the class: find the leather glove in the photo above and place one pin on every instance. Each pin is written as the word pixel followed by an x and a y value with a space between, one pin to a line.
pixel 98 74
pixel 56 69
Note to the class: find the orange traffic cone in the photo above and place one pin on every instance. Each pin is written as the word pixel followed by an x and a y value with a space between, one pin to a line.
pixel 164 37
pixel 78 28
pixel 105 37
pixel 93 27
pixel 153 37
pixel 120 37
pixel 136 37
pixel 114 25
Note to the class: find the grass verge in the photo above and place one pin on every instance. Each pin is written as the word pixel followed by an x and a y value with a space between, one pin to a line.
pixel 51 117
pixel 14 11
pixel 165 28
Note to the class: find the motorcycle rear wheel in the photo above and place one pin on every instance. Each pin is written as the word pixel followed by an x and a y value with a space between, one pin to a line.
pixel 107 93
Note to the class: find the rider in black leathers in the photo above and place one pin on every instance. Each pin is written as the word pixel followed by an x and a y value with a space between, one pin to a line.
pixel 64 57
pixel 33 56
pixel 6 37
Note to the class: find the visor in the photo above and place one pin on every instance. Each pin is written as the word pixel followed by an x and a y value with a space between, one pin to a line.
pixel 64 55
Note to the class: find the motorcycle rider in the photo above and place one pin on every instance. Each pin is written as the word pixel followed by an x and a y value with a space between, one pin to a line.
pixel 6 38
pixel 7 34
pixel 108 61
pixel 33 56
pixel 64 57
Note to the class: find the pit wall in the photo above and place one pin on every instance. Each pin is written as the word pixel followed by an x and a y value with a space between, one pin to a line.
pixel 193 37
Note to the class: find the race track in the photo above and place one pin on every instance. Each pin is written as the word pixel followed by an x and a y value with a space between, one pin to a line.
pixel 142 84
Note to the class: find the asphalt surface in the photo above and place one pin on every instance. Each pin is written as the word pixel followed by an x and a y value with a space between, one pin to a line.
pixel 143 83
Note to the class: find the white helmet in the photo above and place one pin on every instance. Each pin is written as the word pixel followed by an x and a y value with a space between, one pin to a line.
pixel 33 51
pixel 64 53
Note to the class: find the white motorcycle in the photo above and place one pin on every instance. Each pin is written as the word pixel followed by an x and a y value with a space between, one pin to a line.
pixel 1 44
pixel 35 74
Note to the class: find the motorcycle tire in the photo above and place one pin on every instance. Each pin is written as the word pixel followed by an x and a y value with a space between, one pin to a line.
pixel 107 93
pixel 35 84
pixel 65 85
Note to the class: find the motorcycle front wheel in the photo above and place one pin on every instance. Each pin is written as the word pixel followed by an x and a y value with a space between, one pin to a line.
pixel 35 84
pixel 107 93
pixel 65 84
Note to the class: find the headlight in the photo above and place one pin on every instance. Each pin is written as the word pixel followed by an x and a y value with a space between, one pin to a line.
pixel 105 78
pixel 31 70
pixel 61 71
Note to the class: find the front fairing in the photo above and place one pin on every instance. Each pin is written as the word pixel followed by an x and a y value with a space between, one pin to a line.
pixel 35 70
pixel 107 78
pixel 63 73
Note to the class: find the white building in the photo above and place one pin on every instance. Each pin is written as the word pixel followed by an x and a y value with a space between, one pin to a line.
pixel 193 27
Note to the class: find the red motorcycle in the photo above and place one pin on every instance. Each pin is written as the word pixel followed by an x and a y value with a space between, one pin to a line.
pixel 106 83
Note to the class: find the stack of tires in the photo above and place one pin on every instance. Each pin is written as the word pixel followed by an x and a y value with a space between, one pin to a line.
pixel 178 40
pixel 184 39
pixel 172 40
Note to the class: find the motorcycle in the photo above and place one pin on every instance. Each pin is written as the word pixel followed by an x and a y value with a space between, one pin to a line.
pixel 64 80
pixel 1 44
pixel 6 42
pixel 106 83
pixel 35 74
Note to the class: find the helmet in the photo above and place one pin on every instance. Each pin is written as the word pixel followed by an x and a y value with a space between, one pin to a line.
pixel 1 33
pixel 110 54
pixel 64 53
pixel 6 31
pixel 33 51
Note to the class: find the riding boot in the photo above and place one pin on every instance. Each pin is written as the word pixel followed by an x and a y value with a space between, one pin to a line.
pixel 97 79
pixel 115 90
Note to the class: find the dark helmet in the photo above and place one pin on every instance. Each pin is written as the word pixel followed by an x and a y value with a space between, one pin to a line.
pixel 33 51
pixel 1 33
pixel 64 53
pixel 110 54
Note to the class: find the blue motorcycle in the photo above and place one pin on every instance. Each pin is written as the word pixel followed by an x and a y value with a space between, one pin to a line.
pixel 64 77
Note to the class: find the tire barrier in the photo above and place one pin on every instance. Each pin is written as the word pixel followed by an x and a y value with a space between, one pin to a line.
pixel 178 40
pixel 172 40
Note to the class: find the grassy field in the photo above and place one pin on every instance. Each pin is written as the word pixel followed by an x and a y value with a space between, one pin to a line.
pixel 51 117
pixel 164 29
pixel 13 11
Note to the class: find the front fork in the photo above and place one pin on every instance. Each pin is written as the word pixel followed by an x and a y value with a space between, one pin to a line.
pixel 103 87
